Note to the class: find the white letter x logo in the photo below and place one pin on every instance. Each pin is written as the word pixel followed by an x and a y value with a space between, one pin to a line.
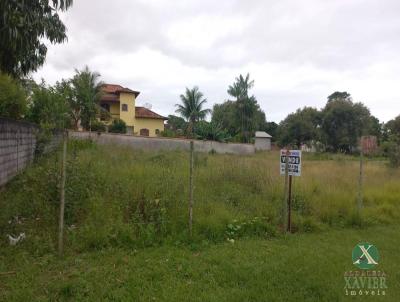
pixel 366 255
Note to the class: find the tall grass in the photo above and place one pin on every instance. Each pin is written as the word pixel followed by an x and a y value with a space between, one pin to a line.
pixel 119 197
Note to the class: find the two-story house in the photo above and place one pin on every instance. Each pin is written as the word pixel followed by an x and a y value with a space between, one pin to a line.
pixel 120 103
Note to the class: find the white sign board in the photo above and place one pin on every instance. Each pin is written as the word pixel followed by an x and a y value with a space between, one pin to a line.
pixel 294 162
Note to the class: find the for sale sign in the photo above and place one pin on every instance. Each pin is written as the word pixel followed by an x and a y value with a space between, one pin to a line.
pixel 294 165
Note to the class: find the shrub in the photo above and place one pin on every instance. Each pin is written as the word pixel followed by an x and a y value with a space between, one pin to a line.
pixel 117 126
pixel 12 98
pixel 394 156
pixel 211 131
pixel 48 108
pixel 168 133
pixel 98 126
pixel 391 149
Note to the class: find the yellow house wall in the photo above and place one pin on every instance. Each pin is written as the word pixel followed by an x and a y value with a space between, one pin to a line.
pixel 127 116
pixel 148 123
pixel 114 110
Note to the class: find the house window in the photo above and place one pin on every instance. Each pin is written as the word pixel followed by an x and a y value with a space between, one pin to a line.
pixel 124 107
pixel 157 131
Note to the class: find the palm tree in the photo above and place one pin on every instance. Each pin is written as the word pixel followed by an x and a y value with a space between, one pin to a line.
pixel 192 107
pixel 244 103
pixel 240 89
pixel 88 93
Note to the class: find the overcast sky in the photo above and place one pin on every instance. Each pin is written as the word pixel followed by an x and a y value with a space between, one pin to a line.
pixel 297 52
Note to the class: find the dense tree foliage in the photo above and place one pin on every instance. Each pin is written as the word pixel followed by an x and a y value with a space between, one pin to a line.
pixel 299 128
pixel 338 126
pixel 248 114
pixel 391 130
pixel 242 116
pixel 272 129
pixel 24 26
pixel 13 102
pixel 225 115
pixel 48 108
pixel 176 123
pixel 117 126
pixel 344 122
pixel 66 88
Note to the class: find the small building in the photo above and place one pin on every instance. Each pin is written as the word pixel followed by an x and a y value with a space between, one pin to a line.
pixel 119 102
pixel 262 141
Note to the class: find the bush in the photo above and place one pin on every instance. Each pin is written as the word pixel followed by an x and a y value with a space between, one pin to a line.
pixel 12 98
pixel 391 150
pixel 98 126
pixel 211 131
pixel 168 133
pixel 117 126
pixel 394 156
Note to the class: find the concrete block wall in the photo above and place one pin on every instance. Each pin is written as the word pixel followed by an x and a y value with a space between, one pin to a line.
pixel 18 142
pixel 17 147
pixel 159 143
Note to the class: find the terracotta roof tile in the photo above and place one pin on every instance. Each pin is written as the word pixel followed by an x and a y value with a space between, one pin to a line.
pixel 108 97
pixel 143 112
pixel 115 89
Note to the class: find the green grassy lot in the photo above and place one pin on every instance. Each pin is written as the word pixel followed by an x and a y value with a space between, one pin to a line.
pixel 302 267
pixel 126 232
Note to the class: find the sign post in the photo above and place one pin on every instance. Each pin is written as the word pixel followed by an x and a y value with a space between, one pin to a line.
pixel 290 165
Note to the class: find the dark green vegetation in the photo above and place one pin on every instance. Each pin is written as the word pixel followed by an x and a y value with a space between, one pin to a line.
pixel 60 106
pixel 12 98
pixel 24 25
pixel 337 127
pixel 117 126
pixel 242 116
pixel 126 227
pixel 307 267
pixel 233 120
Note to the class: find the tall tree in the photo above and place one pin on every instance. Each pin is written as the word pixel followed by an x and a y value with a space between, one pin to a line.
pixel 225 115
pixel 191 107
pixel 88 92
pixel 343 122
pixel 300 127
pixel 391 130
pixel 248 114
pixel 23 27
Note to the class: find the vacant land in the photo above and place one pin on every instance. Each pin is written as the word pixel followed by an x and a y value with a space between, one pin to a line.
pixel 126 233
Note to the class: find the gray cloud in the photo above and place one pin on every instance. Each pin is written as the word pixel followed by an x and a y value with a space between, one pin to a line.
pixel 298 52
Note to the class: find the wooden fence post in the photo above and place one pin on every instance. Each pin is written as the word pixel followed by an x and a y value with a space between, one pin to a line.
pixel 191 188
pixel 360 182
pixel 62 196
